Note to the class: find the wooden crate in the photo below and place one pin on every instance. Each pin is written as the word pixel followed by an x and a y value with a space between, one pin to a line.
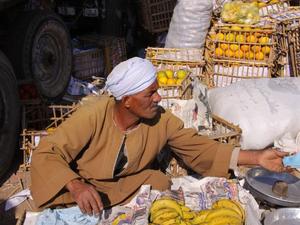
pixel 223 131
pixel 273 7
pixel 88 63
pixel 185 57
pixel 155 15
pixel 289 37
pixel 114 49
pixel 243 42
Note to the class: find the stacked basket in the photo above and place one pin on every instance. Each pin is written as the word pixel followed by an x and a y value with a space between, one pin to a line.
pixel 190 60
pixel 235 52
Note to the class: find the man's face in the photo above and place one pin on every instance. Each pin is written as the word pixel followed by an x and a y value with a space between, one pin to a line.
pixel 145 103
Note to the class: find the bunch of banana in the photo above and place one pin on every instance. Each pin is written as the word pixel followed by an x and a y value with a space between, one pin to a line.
pixel 223 212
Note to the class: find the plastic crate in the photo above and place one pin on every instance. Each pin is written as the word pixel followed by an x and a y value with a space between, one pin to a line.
pixel 114 49
pixel 156 15
pixel 88 63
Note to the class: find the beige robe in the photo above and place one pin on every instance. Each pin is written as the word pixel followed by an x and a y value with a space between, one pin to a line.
pixel 89 143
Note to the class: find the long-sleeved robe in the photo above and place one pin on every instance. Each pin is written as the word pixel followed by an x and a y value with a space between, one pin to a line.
pixel 87 144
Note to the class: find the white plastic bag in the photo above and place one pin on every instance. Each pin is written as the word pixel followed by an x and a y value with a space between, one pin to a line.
pixel 189 24
pixel 264 109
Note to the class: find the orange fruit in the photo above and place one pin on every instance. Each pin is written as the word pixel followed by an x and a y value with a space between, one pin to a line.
pixel 266 49
pixel 239 54
pixel 224 46
pixel 234 47
pixel 229 53
pixel 256 48
pixel 263 40
pixel 245 48
pixel 240 38
pixel 218 52
pixel 259 56
pixel 230 37
pixel 171 81
pixel 249 55
pixel 251 39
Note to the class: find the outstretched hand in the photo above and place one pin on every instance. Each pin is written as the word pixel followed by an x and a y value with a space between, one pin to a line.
pixel 271 159
pixel 86 196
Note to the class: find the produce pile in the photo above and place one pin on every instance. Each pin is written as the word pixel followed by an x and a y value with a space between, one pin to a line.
pixel 170 77
pixel 167 211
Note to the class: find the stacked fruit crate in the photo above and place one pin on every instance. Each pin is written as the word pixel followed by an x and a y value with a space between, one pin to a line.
pixel 185 64
pixel 235 52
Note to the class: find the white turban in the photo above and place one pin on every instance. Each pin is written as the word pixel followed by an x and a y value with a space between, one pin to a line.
pixel 130 77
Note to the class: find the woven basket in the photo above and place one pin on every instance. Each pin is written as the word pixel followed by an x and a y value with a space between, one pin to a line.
pixel 185 57
pixel 155 15
pixel 243 42
pixel 88 63
pixel 274 8
pixel 223 131
pixel 289 37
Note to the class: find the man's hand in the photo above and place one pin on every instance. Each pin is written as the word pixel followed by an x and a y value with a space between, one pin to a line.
pixel 271 159
pixel 86 196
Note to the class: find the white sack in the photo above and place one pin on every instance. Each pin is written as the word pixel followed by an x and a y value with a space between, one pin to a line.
pixel 189 24
pixel 265 109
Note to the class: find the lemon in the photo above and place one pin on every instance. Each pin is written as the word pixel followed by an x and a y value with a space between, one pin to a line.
pixel 245 48
pixel 251 39
pixel 229 53
pixel 263 40
pixel 259 56
pixel 249 55
pixel 179 81
pixel 171 81
pixel 230 37
pixel 266 49
pixel 181 74
pixel 261 4
pixel 212 36
pixel 247 28
pixel 220 36
pixel 236 28
pixel 161 74
pixel 224 46
pixel 162 80
pixel 218 52
pixel 240 38
pixel 239 54
pixel 170 73
pixel 234 47
pixel 256 48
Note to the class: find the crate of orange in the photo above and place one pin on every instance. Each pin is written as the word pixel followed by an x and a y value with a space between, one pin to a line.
pixel 174 81
pixel 244 42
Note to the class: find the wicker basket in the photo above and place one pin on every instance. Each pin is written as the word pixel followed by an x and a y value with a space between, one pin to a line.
pixel 156 15
pixel 243 42
pixel 274 8
pixel 30 140
pixel 289 37
pixel 88 63
pixel 114 49
pixel 189 57
pixel 222 131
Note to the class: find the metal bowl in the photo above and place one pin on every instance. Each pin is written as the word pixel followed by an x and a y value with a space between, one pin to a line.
pixel 260 182
pixel 284 216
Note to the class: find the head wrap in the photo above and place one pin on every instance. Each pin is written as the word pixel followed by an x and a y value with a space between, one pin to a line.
pixel 130 77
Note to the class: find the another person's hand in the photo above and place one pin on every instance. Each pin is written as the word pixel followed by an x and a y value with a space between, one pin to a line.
pixel 86 196
pixel 271 159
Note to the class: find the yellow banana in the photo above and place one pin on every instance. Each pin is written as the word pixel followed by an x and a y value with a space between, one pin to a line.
pixel 226 203
pixel 161 212
pixel 166 203
pixel 188 215
pixel 165 217
pixel 200 217
pixel 119 218
pixel 225 220
pixel 185 208
pixel 171 222
pixel 214 213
